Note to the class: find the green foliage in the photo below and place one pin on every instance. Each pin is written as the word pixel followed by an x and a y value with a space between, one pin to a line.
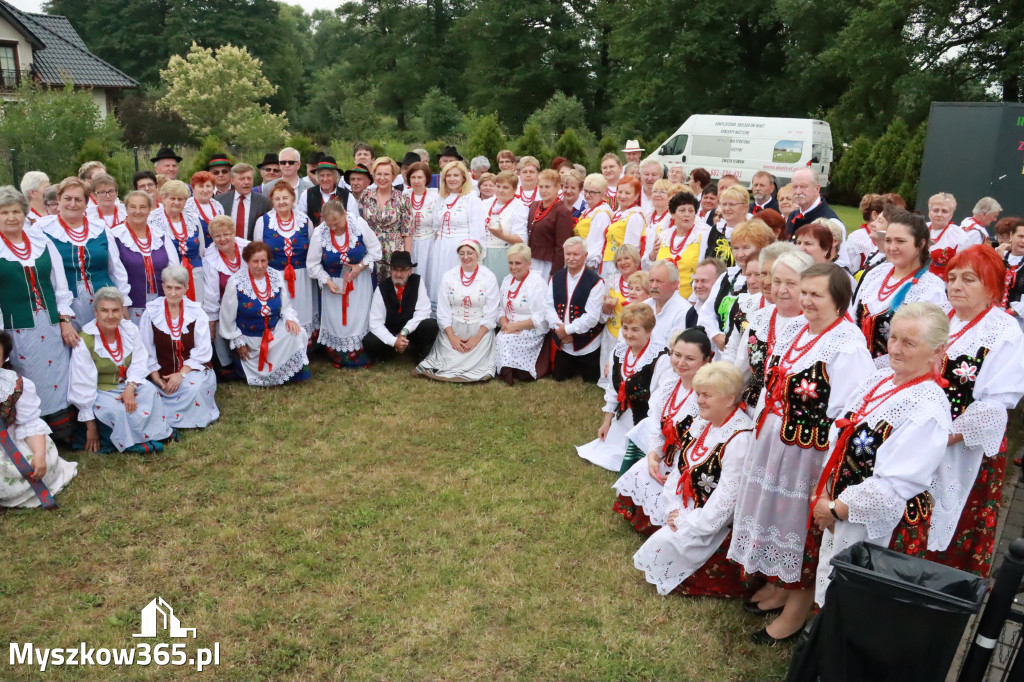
pixel 211 145
pixel 341 108
pixel 205 89
pixel 910 165
pixel 560 113
pixel 51 128
pixel 439 113
pixel 486 138
pixel 848 178
pixel 146 124
pixel 571 146
pixel 883 173
pixel 302 143
pixel 531 143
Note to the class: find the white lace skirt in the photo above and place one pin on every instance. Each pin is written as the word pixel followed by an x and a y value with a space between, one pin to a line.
pixel 15 491
pixel 444 363
pixel 193 405
pixel 609 453
pixel 147 422
pixel 518 351
pixel 334 332
pixel 637 485
pixel 286 356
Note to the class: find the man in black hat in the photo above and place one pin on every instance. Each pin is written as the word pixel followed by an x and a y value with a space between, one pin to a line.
pixel 448 154
pixel 314 161
pixel 165 163
pixel 358 179
pixel 219 166
pixel 313 199
pixel 400 314
pixel 270 172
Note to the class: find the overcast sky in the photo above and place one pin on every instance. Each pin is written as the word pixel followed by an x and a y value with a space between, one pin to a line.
pixel 308 5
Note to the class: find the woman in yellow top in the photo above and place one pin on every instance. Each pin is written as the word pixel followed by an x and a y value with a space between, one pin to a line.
pixel 627 261
pixel 594 222
pixel 628 224
pixel 659 220
pixel 683 244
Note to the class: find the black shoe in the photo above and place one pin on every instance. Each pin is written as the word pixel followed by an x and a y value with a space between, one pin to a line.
pixel 752 607
pixel 762 638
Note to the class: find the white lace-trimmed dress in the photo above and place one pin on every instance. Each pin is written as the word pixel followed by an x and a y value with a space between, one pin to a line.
pixel 15 490
pixel 102 264
pixel 512 218
pixel 98 380
pixel 204 214
pixel 421 226
pixel 193 405
pixel 610 452
pixel 216 274
pixel 858 249
pixel 770 533
pixel 344 321
pixel 521 299
pixel 295 240
pixel 915 420
pixel 456 217
pixel 465 308
pixel 673 407
pixel 244 319
pixel 143 285
pixel 670 557
pixel 873 313
pixel 185 237
pixel 984 368
pixel 95 214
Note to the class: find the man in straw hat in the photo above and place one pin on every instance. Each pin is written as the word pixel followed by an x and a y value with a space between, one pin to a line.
pixel 633 151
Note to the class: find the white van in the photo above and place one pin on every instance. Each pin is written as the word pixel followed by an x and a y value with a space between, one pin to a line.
pixel 744 145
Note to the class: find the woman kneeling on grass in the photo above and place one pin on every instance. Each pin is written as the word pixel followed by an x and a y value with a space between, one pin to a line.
pixel 688 555
pixel 119 408
pixel 672 410
pixel 46 473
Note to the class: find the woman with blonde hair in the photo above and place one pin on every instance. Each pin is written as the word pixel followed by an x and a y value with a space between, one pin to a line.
pixel 386 212
pixel 183 231
pixel 219 264
pixel 617 297
pixel 458 215
pixel 522 318
pixel 505 219
pixel 593 224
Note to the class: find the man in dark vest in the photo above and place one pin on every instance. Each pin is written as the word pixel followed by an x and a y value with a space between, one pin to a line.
pixel 313 199
pixel 400 314
pixel 574 301
pixel 810 205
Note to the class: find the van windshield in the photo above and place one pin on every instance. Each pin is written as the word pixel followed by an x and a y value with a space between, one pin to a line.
pixel 675 146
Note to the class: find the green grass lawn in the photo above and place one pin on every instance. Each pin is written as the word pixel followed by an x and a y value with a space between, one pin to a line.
pixel 367 525
pixel 850 215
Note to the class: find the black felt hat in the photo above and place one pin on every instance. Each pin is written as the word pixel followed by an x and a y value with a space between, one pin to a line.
pixel 165 153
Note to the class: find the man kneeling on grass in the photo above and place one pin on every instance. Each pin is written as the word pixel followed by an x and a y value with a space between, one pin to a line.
pixel 400 314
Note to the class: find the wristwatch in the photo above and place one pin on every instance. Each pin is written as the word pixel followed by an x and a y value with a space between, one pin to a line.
pixel 66 318
pixel 832 508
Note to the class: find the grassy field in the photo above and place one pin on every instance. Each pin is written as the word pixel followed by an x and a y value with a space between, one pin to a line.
pixel 366 526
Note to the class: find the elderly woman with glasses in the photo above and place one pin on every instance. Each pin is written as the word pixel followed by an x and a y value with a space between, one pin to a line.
pixel 118 407
pixel 88 251
pixel 144 251
pixel 183 231
pixel 219 264
pixel 105 207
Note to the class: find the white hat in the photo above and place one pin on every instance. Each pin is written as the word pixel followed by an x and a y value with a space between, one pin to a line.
pixel 633 146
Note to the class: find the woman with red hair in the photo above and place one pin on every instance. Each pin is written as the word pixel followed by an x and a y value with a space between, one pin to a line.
pixel 815 239
pixel 201 204
pixel 983 369
pixel 628 223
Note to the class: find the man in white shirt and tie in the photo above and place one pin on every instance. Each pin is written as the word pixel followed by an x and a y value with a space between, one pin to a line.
pixel 241 203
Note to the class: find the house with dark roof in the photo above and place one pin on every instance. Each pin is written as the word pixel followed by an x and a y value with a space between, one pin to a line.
pixel 48 50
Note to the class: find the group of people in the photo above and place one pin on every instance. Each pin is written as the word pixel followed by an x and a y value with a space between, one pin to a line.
pixel 775 389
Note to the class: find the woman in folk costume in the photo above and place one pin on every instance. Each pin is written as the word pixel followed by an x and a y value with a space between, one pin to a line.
pixel 259 323
pixel 628 394
pixel 681 241
pixel 505 219
pixel 31 471
pixel 183 231
pixel 467 312
pixel 458 216
pixel 288 233
pixel 983 377
pixel 522 319
pixel 104 206
pixel 594 223
pixel 627 261
pixel 201 204
pixel 781 297
pixel 144 251
pixel 36 306
pixel 88 251
pixel 944 236
pixel 672 409
pixel 221 261
pixel 529 170
pixel 814 369
pixel 659 216
pixel 870 489
pixel 176 333
pixel 341 256
pixel 549 225
pixel 1013 286
pixel 422 202
pixel 688 555
pixel 627 226
pixel 118 407
pixel 903 278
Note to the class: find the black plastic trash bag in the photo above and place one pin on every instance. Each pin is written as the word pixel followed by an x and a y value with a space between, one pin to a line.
pixel 887 616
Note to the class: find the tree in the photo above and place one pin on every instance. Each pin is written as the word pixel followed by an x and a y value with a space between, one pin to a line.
pixel 49 128
pixel 439 113
pixel 561 113
pixel 883 167
pixel 207 91
pixel 910 165
pixel 341 107
pixel 849 177
pixel 571 146
pixel 486 138
pixel 532 144
pixel 146 124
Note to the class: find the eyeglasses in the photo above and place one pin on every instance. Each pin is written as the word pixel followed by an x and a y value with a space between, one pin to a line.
pixel 222 171
pixel 285 162
pixel 730 204
pixel 106 193
pixel 146 186
pixel 266 169
pixel 591 191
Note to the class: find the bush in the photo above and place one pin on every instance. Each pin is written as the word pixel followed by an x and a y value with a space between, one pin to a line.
pixel 559 114
pixel 883 172
pixel 439 113
pixel 147 124
pixel 571 147
pixel 848 178
pixel 910 165
pixel 211 145
pixel 532 144
pixel 487 138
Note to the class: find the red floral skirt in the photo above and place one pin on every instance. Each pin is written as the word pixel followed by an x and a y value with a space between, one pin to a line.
pixel 632 512
pixel 718 577
pixel 975 537
pixel 809 566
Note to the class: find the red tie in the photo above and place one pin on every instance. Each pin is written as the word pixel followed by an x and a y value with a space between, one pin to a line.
pixel 756 209
pixel 399 291
pixel 240 218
